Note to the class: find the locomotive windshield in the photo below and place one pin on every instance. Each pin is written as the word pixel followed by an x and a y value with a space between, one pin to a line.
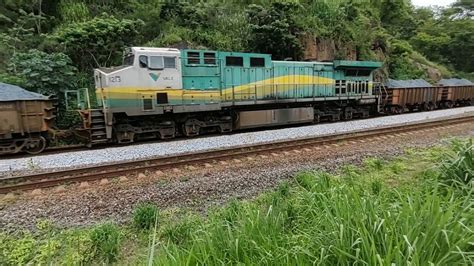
pixel 128 59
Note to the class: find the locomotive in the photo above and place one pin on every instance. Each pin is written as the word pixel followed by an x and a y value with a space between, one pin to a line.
pixel 166 92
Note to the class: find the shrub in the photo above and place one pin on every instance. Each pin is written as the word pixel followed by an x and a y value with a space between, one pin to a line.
pixel 145 216
pixel 105 241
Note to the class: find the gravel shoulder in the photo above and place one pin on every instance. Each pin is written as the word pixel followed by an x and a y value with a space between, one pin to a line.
pixel 197 188
pixel 9 167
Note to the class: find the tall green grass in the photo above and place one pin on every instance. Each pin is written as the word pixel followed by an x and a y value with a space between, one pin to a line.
pixel 352 218
pixel 457 167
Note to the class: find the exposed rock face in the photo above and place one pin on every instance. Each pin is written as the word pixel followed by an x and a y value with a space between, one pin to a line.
pixel 318 49
pixel 433 74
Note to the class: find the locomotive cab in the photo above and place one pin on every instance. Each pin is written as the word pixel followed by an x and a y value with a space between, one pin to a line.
pixel 144 70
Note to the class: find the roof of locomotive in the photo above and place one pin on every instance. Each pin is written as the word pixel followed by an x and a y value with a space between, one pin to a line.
pixel 153 49
pixel 10 92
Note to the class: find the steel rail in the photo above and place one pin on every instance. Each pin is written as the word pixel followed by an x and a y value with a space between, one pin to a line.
pixel 50 179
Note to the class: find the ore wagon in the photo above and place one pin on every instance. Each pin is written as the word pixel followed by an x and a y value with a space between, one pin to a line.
pixel 409 95
pixel 25 119
pixel 401 95
pixel 459 92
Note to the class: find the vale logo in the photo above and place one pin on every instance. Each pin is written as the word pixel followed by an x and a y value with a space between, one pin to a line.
pixel 155 76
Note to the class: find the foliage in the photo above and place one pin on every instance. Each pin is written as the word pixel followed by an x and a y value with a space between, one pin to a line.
pixel 45 73
pixel 401 66
pixel 180 232
pixel 49 74
pixel 98 42
pixel 274 30
pixel 105 240
pixel 357 217
pixel 447 38
pixel 458 166
pixel 73 11
pixel 145 216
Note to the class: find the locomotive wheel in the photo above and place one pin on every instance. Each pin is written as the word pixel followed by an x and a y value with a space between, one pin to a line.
pixel 191 128
pixel 37 146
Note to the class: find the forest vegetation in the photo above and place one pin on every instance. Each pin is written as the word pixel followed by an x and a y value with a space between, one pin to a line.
pixel 50 46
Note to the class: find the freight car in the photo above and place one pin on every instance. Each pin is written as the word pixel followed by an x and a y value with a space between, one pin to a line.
pixel 25 119
pixel 164 92
pixel 402 96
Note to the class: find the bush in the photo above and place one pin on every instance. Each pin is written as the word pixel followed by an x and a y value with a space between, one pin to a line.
pixel 145 216
pixel 105 242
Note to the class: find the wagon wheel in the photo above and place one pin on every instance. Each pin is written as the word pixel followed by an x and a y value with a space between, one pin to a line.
pixel 37 146
pixel 431 106
pixel 397 110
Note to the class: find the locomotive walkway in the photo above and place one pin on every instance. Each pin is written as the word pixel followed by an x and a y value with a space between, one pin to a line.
pixel 205 158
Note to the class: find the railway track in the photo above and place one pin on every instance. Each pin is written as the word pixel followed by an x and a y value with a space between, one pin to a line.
pixel 51 179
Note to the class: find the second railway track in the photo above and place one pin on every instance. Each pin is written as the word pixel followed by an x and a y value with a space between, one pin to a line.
pixel 51 179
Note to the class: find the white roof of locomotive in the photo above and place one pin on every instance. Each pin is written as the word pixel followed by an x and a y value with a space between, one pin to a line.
pixel 154 49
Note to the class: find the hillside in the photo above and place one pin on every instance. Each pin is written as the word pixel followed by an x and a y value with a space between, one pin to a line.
pixel 50 46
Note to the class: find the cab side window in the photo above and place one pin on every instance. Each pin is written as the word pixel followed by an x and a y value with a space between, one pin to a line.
pixel 156 62
pixel 143 59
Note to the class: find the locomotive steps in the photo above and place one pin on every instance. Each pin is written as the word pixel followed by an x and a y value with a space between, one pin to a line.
pixel 225 155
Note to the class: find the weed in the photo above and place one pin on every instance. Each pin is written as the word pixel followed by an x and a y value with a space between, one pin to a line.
pixel 283 189
pixel 458 166
pixel 18 251
pixel 31 164
pixel 181 232
pixel 184 178
pixel 230 213
pixel 145 216
pixel 374 163
pixel 305 180
pixel 105 240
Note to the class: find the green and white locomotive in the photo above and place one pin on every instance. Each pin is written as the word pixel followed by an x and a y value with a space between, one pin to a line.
pixel 165 92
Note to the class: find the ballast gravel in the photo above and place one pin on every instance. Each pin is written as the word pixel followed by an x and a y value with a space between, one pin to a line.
pixel 150 150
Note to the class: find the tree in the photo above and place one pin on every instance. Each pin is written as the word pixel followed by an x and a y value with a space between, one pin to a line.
pixel 48 74
pixel 44 73
pixel 98 42
pixel 274 30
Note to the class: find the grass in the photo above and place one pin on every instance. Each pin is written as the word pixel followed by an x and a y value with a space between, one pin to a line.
pixel 458 166
pixel 416 209
pixel 145 216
